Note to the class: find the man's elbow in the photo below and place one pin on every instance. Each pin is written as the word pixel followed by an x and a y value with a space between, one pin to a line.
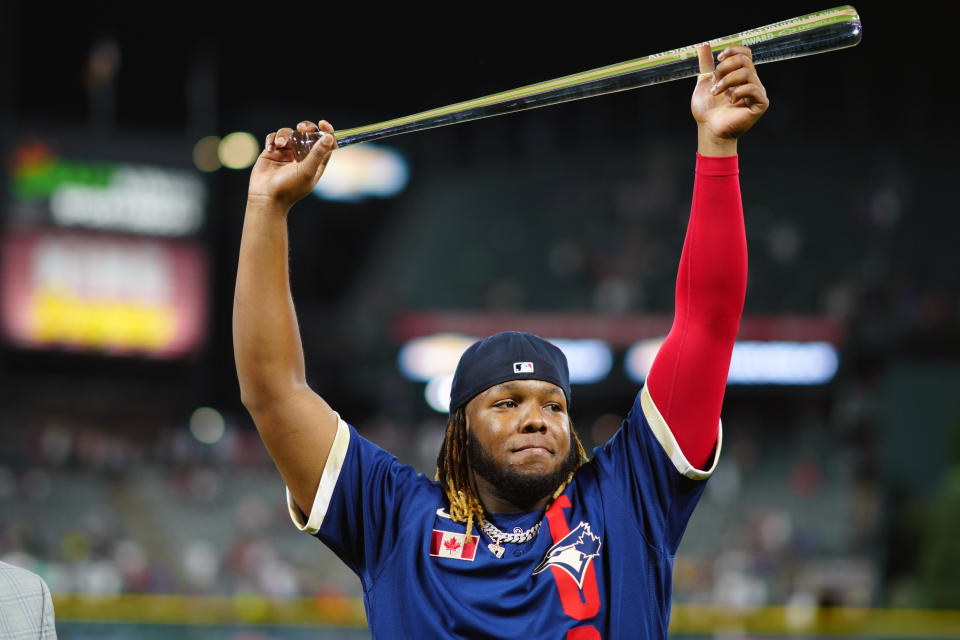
pixel 258 396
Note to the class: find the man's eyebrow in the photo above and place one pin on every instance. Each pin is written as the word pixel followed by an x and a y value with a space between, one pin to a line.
pixel 512 387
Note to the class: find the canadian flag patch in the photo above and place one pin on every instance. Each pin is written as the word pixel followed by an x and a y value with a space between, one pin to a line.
pixel 447 544
pixel 523 367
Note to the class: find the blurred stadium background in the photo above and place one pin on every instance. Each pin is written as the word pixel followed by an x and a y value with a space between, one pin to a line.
pixel 132 479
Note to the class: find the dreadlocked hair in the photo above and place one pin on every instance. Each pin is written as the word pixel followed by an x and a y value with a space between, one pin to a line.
pixel 453 472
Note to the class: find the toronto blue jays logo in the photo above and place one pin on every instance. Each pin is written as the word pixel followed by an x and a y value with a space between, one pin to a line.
pixel 573 553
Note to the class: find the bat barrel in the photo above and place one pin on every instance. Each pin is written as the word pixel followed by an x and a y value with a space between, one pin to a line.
pixel 829 37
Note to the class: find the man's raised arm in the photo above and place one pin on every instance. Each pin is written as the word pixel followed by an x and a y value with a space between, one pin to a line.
pixel 689 375
pixel 297 426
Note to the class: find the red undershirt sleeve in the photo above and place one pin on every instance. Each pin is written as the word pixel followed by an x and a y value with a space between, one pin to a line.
pixel 689 375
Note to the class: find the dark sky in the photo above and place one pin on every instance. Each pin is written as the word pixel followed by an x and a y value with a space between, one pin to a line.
pixel 365 64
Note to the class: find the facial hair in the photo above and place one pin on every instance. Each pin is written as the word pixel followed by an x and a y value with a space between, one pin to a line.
pixel 521 489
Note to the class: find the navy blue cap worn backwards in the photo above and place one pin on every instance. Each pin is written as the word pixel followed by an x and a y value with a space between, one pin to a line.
pixel 511 355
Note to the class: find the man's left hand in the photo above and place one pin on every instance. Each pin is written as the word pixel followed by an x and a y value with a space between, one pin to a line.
pixel 727 100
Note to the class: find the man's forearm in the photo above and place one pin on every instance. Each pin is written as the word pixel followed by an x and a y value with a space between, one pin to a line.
pixel 266 338
pixel 689 374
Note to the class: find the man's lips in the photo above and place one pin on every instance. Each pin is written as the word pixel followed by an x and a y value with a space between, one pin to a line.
pixel 533 448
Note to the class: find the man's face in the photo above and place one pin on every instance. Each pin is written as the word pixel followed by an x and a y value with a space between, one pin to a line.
pixel 519 441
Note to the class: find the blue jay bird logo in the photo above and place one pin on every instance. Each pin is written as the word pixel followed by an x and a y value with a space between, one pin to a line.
pixel 573 553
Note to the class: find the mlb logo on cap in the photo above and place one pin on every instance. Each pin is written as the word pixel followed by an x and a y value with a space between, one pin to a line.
pixel 523 367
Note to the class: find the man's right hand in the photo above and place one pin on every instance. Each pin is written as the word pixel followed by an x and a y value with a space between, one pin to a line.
pixel 297 426
pixel 278 177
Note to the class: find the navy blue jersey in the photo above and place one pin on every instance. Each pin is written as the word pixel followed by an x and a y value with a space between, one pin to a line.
pixel 600 567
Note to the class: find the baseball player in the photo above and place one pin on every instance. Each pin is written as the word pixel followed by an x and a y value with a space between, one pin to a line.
pixel 518 536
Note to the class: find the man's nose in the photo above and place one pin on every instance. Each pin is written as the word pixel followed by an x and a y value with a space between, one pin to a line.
pixel 533 420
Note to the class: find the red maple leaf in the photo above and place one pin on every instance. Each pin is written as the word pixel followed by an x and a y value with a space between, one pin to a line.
pixel 451 544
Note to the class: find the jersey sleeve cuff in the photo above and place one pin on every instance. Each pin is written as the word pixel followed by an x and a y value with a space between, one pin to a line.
pixel 717 165
pixel 670 446
pixel 331 472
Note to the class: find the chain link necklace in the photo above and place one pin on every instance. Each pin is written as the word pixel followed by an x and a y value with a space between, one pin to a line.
pixel 498 537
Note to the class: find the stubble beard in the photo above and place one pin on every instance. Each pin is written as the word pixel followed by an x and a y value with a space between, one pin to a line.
pixel 521 489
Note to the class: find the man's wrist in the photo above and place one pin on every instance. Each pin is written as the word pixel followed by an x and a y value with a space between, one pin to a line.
pixel 266 205
pixel 711 145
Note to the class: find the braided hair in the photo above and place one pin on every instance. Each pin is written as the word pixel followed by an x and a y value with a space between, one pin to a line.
pixel 454 473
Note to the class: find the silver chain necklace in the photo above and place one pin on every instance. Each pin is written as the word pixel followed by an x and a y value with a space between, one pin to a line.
pixel 498 537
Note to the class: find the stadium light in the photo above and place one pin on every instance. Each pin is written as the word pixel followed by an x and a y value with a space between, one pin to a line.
pixel 205 154
pixel 756 362
pixel 238 150
pixel 207 425
pixel 363 171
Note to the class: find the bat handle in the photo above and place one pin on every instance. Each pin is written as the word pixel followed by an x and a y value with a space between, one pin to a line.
pixel 303 141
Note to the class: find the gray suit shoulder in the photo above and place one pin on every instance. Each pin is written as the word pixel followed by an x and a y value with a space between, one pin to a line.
pixel 26 606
